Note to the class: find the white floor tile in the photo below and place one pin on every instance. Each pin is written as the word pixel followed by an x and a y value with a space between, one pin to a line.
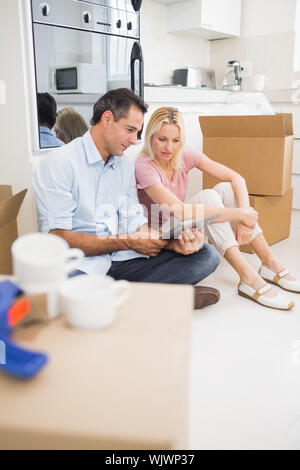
pixel 245 365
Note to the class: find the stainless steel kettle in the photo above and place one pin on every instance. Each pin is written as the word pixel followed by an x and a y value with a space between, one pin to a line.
pixel 233 79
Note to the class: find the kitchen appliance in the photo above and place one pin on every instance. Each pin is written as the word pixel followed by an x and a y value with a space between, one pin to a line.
pixel 195 77
pixel 78 78
pixel 233 79
pixel 95 43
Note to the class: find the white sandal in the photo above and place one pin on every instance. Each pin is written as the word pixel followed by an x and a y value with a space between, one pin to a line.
pixel 280 302
pixel 279 280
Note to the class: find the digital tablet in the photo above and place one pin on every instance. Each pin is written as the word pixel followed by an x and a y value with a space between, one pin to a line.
pixel 173 227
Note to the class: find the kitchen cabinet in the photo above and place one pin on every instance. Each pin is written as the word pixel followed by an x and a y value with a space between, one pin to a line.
pixel 210 19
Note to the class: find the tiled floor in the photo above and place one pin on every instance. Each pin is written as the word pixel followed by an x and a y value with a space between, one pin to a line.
pixel 245 367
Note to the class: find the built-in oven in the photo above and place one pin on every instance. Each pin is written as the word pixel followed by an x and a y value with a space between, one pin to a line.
pixel 86 48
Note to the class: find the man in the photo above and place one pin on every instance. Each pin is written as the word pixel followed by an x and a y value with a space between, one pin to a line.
pixel 47 116
pixel 86 193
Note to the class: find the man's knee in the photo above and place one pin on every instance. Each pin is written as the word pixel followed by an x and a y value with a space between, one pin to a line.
pixel 212 259
pixel 203 263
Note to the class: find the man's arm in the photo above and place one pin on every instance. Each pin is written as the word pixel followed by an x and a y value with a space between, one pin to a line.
pixel 144 241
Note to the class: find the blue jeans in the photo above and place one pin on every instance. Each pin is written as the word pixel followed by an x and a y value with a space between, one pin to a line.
pixel 167 267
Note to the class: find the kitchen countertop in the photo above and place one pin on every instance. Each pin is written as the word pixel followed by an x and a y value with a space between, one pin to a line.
pixel 175 94
pixel 290 95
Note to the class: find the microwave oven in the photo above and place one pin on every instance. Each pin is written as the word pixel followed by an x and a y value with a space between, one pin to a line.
pixel 78 78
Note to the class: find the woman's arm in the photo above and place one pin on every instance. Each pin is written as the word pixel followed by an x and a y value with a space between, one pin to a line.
pixel 242 231
pixel 223 173
pixel 162 196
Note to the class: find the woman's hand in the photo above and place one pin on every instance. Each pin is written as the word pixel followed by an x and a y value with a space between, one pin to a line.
pixel 189 242
pixel 248 217
pixel 242 233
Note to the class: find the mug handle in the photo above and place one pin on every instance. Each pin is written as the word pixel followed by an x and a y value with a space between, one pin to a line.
pixel 124 296
pixel 73 253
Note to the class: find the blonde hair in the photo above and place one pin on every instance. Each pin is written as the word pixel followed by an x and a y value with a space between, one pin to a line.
pixel 69 125
pixel 164 115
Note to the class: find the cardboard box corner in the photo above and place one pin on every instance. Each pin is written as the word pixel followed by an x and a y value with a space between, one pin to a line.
pixel 10 205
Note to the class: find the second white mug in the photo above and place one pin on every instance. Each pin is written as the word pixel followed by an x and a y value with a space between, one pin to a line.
pixel 90 302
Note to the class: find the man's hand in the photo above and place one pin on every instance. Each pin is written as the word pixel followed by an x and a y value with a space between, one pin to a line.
pixel 146 242
pixel 189 242
pixel 242 233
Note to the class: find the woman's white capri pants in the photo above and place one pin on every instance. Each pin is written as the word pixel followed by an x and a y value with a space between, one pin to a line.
pixel 221 234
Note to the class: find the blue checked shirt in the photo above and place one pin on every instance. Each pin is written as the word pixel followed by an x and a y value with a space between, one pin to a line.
pixel 76 191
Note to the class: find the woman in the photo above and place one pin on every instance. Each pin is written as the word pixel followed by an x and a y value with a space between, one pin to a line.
pixel 161 172
pixel 69 125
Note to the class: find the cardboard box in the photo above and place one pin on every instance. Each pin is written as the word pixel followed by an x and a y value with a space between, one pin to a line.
pixel 118 400
pixel 274 217
pixel 260 148
pixel 9 209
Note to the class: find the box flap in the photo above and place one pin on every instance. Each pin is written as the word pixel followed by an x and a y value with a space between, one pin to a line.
pixel 5 191
pixel 10 207
pixel 288 123
pixel 244 126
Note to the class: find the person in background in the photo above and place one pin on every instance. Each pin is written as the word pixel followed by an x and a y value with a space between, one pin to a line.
pixel 86 193
pixel 47 116
pixel 69 125
pixel 161 172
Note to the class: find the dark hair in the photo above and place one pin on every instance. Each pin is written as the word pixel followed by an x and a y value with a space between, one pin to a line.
pixel 118 102
pixel 46 109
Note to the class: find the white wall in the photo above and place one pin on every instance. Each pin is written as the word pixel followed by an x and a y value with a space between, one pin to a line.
pixel 262 17
pixel 297 41
pixel 163 52
pixel 267 42
pixel 15 166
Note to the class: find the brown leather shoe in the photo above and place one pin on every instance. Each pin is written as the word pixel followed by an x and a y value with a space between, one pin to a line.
pixel 204 296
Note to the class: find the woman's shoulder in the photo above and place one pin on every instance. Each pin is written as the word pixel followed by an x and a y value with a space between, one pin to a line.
pixel 191 157
pixel 143 161
pixel 189 152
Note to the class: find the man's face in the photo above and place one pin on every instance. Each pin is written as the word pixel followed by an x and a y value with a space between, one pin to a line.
pixel 123 133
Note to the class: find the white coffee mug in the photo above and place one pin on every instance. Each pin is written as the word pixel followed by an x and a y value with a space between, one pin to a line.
pixel 254 83
pixel 89 302
pixel 40 262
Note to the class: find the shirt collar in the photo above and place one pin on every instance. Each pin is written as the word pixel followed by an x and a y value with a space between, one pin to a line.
pixel 45 130
pixel 92 153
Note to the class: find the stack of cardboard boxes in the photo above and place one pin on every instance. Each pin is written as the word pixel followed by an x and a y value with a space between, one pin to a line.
pixel 260 148
pixel 9 208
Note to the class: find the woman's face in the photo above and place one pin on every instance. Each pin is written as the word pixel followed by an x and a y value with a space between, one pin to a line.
pixel 166 142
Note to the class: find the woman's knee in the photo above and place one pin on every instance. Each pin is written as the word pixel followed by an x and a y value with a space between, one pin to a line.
pixel 225 190
pixel 212 198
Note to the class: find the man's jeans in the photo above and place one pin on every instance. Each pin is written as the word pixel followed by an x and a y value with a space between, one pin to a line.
pixel 167 267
